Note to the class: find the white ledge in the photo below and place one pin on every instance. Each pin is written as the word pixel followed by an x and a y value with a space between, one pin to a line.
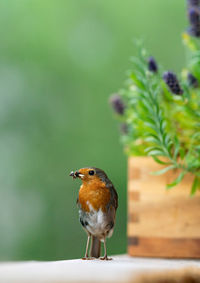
pixel 120 269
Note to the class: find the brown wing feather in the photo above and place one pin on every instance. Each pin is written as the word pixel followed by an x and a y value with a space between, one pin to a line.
pixel 114 197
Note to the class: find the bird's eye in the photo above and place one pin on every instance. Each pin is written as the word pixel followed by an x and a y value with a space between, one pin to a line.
pixel 91 172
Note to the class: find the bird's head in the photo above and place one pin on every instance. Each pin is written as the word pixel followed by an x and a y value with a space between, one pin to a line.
pixel 89 174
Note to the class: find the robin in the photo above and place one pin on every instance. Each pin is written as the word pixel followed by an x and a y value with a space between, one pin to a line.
pixel 97 202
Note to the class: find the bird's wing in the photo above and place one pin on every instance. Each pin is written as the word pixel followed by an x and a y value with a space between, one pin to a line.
pixel 114 196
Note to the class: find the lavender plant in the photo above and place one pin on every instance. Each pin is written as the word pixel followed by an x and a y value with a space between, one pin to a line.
pixel 159 113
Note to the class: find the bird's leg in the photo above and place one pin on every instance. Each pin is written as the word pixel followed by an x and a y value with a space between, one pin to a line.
pixel 105 251
pixel 87 246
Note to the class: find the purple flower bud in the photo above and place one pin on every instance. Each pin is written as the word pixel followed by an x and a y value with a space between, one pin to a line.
pixel 124 128
pixel 193 2
pixel 152 65
pixel 194 16
pixel 172 82
pixel 192 80
pixel 194 19
pixel 117 104
pixel 194 31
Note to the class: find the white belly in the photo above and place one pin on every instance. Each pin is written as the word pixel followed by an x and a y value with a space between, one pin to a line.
pixel 97 223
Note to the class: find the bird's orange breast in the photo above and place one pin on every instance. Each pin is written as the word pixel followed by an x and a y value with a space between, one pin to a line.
pixel 94 194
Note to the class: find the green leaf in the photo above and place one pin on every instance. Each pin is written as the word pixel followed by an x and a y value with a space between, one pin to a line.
pixel 166 138
pixel 151 126
pixel 194 186
pixel 160 113
pixel 196 135
pixel 137 81
pixel 169 146
pixel 160 161
pixel 164 170
pixel 151 148
pixel 157 152
pixel 152 139
pixel 137 64
pixel 163 125
pixel 149 119
pixel 177 147
pixel 177 180
pixel 182 153
pixel 147 106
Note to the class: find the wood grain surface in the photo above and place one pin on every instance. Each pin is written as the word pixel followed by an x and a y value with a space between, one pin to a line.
pixel 164 223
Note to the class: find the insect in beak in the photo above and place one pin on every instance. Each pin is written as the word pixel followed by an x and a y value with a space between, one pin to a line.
pixel 76 174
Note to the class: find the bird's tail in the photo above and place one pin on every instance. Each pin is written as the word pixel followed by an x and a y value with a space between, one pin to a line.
pixel 95 247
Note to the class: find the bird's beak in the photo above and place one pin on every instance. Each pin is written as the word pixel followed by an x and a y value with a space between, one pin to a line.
pixel 76 174
pixel 71 174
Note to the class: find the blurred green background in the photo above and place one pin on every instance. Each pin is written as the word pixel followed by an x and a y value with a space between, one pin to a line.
pixel 59 61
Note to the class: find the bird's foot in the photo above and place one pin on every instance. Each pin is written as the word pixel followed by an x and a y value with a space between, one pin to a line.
pixel 88 258
pixel 105 258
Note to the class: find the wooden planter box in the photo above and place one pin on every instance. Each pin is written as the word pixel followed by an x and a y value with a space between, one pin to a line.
pixel 161 223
